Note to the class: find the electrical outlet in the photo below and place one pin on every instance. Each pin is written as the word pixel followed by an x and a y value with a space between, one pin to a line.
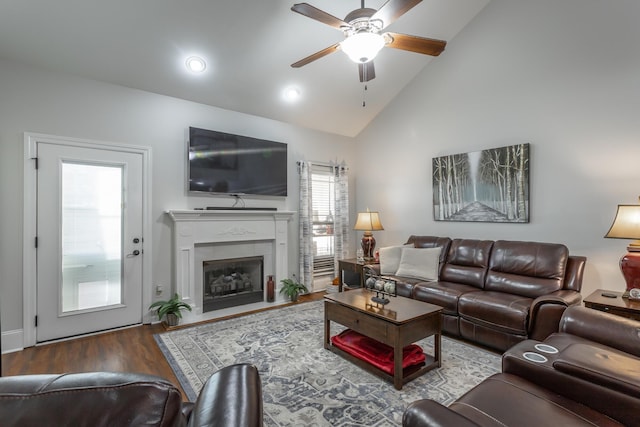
pixel 158 289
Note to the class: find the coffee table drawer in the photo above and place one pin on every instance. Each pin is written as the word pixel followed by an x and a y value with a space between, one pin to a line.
pixel 359 322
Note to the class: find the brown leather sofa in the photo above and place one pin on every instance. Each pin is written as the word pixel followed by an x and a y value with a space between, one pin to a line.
pixel 498 293
pixel 592 379
pixel 232 397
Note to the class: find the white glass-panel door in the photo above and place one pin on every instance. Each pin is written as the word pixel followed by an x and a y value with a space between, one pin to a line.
pixel 89 256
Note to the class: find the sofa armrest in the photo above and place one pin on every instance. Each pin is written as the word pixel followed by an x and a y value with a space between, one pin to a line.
pixel 604 328
pixel 230 397
pixel 431 413
pixel 574 273
pixel 608 368
pixel 547 310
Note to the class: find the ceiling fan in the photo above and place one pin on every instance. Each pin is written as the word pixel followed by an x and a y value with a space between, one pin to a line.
pixel 363 40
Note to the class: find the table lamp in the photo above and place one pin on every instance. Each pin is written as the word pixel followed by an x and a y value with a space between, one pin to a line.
pixel 368 222
pixel 626 225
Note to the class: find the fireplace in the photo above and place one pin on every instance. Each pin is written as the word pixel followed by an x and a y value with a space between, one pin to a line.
pixel 212 235
pixel 232 282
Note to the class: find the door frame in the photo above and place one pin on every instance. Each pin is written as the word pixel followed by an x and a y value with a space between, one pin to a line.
pixel 29 252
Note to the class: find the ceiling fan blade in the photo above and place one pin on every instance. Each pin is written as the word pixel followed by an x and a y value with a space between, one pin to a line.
pixel 317 55
pixel 317 14
pixel 367 71
pixel 416 44
pixel 392 10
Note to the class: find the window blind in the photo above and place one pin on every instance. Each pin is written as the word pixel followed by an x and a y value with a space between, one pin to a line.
pixel 323 206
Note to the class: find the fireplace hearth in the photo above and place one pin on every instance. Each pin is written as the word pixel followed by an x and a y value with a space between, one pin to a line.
pixel 232 282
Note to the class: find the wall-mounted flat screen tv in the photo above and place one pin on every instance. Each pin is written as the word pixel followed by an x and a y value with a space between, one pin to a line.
pixel 223 163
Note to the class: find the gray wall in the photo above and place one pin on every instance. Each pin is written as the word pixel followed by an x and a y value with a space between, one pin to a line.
pixel 563 75
pixel 38 101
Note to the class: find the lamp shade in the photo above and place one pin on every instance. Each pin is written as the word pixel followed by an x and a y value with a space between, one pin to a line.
pixel 362 47
pixel 626 224
pixel 368 221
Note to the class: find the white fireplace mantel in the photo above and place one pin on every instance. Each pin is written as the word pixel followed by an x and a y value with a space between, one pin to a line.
pixel 192 228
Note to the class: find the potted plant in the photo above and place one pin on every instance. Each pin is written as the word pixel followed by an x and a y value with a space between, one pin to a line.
pixel 171 309
pixel 292 288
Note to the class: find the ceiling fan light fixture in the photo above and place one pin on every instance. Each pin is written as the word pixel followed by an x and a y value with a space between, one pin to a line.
pixel 362 47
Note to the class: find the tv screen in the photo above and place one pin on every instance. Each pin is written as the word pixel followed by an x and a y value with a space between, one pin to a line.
pixel 232 164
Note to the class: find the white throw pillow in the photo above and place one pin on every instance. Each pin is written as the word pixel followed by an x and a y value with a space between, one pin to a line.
pixel 390 258
pixel 419 263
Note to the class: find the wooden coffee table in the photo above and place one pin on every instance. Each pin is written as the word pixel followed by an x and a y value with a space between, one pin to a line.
pixel 401 322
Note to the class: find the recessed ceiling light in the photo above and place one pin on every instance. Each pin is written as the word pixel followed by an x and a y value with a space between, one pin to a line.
pixel 196 64
pixel 291 94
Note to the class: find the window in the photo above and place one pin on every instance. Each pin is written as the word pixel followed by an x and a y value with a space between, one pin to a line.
pixel 323 206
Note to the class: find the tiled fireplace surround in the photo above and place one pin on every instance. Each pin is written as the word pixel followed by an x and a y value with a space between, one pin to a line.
pixel 205 235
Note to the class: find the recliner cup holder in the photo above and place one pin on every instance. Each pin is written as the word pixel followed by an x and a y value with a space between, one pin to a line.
pixel 546 348
pixel 534 357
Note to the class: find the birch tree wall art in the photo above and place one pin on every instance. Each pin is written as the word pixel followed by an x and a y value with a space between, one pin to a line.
pixel 484 186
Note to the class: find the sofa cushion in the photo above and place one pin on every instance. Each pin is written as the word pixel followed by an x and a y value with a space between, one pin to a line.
pixel 444 294
pixel 467 262
pixel 496 310
pixel 609 368
pixel 612 331
pixel 390 259
pixel 432 242
pixel 419 263
pixel 530 269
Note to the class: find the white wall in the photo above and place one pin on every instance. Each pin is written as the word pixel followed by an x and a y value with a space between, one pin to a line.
pixel 33 100
pixel 563 75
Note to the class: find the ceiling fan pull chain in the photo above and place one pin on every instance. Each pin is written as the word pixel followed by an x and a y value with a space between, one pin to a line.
pixel 364 91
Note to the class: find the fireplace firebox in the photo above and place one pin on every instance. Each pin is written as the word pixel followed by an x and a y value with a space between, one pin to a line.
pixel 232 282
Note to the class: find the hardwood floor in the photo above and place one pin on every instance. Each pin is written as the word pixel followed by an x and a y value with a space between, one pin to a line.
pixel 126 350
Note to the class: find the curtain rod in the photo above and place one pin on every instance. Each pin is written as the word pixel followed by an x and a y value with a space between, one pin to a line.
pixel 329 164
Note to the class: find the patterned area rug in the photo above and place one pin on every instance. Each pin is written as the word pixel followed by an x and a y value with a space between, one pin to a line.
pixel 306 385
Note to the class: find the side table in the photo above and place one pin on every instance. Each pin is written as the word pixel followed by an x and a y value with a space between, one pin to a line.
pixel 619 306
pixel 351 266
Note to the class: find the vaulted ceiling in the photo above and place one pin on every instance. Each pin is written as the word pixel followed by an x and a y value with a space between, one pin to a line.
pixel 248 45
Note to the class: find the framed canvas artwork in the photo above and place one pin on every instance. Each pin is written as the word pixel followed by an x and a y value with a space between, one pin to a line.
pixel 484 186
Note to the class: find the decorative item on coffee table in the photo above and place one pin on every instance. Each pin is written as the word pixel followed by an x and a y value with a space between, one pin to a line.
pixel 381 286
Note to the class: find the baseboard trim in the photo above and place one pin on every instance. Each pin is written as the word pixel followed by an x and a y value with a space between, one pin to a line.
pixel 12 341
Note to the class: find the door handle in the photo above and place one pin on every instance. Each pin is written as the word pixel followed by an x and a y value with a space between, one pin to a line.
pixel 133 254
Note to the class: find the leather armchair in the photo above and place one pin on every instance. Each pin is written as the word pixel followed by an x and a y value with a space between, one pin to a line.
pixel 231 397
pixel 592 379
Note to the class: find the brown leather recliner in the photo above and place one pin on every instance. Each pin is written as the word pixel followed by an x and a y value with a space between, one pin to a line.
pixel 590 376
pixel 231 397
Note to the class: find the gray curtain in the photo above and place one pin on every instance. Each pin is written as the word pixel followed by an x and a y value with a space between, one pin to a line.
pixel 306 229
pixel 305 213
pixel 341 221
